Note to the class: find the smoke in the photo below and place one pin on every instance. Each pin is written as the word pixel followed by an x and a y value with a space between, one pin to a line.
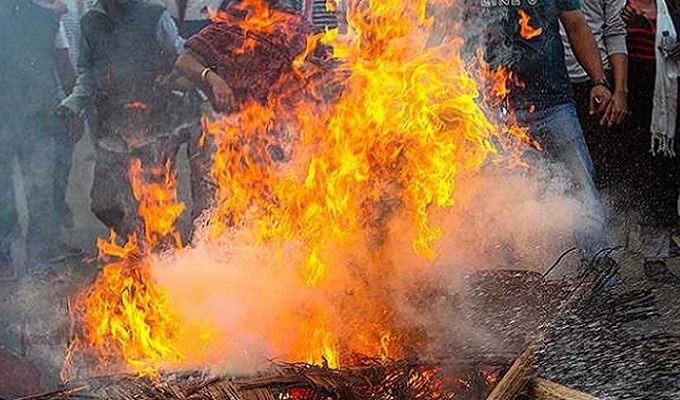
pixel 250 297
pixel 513 219
pixel 245 296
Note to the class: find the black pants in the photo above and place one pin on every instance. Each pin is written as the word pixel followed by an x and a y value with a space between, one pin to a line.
pixel 624 165
pixel 62 170
pixel 600 141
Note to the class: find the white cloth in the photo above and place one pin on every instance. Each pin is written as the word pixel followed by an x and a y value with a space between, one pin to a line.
pixel 665 103
pixel 60 41
pixel 195 8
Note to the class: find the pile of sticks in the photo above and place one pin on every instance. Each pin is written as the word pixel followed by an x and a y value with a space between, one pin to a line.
pixel 373 381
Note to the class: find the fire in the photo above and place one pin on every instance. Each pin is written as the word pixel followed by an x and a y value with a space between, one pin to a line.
pixel 525 30
pixel 333 166
pixel 125 316
pixel 390 147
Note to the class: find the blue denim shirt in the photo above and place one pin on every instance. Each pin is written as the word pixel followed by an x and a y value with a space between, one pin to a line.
pixel 537 61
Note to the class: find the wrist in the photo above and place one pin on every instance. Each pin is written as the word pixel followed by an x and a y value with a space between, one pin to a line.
pixel 205 76
pixel 602 81
pixel 621 92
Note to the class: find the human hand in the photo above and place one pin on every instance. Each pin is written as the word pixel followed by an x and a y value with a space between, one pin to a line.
pixel 629 14
pixel 600 97
pixel 223 96
pixel 616 110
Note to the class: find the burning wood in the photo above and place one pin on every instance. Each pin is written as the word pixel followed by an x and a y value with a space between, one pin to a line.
pixel 374 381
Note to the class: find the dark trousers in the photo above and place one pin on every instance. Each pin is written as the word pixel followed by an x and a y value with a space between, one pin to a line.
pixel 32 145
pixel 113 200
pixel 62 170
pixel 600 141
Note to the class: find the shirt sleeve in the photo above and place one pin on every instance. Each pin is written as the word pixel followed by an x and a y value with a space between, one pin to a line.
pixel 85 88
pixel 568 5
pixel 211 43
pixel 61 41
pixel 614 28
pixel 168 36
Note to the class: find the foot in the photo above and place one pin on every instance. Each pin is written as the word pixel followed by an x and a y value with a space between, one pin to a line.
pixel 657 271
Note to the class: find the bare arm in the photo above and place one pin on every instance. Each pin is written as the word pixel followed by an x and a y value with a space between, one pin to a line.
pixel 585 49
pixel 191 66
pixel 194 68
pixel 615 43
pixel 620 70
pixel 582 43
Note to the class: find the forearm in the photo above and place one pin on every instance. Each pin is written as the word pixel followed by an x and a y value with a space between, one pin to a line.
pixel 82 95
pixel 191 66
pixel 585 49
pixel 582 43
pixel 619 62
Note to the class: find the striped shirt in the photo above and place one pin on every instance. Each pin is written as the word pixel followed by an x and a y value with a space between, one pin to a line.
pixel 641 39
pixel 319 15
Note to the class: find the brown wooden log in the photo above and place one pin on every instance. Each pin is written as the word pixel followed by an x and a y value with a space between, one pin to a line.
pixel 516 378
pixel 543 389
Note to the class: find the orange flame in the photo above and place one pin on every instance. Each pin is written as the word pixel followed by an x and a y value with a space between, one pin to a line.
pixel 525 30
pixel 335 162
pixel 390 146
pixel 125 316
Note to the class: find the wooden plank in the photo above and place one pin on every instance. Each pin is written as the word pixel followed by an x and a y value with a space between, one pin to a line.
pixel 543 389
pixel 516 378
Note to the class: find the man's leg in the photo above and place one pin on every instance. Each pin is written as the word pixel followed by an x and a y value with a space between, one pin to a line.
pixel 565 143
pixel 9 225
pixel 111 194
pixel 36 158
pixel 62 170
pixel 203 187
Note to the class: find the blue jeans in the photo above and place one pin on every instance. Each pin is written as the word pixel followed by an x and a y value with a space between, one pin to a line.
pixel 559 133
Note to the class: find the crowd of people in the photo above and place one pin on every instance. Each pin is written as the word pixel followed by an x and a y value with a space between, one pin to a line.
pixel 599 93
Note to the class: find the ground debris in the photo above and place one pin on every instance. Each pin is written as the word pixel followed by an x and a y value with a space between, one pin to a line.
pixel 375 381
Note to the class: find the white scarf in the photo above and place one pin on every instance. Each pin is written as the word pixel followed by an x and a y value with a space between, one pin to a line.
pixel 665 103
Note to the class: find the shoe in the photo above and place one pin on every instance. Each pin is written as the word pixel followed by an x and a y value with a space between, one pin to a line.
pixel 657 271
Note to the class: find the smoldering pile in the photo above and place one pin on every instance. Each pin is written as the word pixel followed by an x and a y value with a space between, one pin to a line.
pixel 375 380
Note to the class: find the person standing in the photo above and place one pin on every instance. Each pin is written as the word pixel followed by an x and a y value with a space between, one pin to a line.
pixel 649 168
pixel 524 38
pixel 127 52
pixel 29 127
pixel 609 30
